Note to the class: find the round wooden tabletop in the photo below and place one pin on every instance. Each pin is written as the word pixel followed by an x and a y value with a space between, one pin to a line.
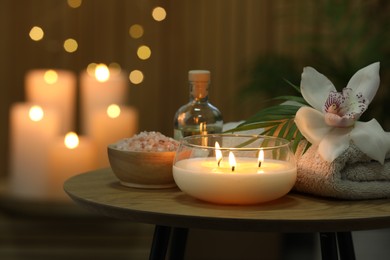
pixel 101 192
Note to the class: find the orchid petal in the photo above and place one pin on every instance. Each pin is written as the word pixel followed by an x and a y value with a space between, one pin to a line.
pixel 315 87
pixel 338 121
pixel 334 144
pixel 311 124
pixel 370 138
pixel 366 81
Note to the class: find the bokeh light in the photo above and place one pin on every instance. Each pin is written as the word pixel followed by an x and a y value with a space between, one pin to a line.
pixel 144 52
pixel 70 45
pixel 159 13
pixel 91 69
pixel 102 73
pixel 136 77
pixel 74 3
pixel 113 111
pixel 50 76
pixel 136 31
pixel 71 140
pixel 114 68
pixel 36 33
pixel 36 113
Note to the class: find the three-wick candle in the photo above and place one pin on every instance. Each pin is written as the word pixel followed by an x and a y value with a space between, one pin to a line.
pixel 239 180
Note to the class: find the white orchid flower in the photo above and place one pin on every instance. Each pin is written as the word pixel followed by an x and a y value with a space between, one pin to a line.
pixel 331 123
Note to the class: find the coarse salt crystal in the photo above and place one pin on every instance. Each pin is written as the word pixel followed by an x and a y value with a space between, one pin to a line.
pixel 148 142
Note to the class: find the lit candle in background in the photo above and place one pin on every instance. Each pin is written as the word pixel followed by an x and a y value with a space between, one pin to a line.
pixel 33 160
pixel 32 131
pixel 110 125
pixel 54 88
pixel 100 87
pixel 69 155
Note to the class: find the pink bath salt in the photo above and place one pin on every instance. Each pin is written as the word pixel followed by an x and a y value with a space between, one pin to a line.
pixel 148 142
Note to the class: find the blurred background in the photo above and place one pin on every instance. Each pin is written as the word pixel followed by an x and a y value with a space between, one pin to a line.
pixel 251 48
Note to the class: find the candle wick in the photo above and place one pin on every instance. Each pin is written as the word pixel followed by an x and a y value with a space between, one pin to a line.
pixel 259 164
pixel 219 162
pixel 233 167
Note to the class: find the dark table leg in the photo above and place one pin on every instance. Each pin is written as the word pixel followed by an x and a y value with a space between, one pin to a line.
pixel 178 243
pixel 328 246
pixel 160 243
pixel 345 242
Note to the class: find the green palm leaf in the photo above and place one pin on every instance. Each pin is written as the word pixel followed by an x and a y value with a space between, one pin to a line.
pixel 300 100
pixel 277 120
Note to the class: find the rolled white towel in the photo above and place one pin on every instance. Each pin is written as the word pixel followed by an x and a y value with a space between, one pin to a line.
pixel 352 175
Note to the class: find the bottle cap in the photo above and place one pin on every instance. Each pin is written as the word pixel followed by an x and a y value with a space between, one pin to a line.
pixel 199 75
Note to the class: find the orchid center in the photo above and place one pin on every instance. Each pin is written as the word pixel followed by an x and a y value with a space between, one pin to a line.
pixel 342 109
pixel 333 108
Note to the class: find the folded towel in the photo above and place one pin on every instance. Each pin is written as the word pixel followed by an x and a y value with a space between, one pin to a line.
pixel 350 176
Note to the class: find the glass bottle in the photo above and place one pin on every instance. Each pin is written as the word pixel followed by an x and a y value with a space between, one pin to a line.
pixel 198 116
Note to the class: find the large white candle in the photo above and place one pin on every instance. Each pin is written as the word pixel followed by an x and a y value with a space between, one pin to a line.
pixel 55 88
pixel 98 90
pixel 32 130
pixel 109 125
pixel 69 155
pixel 241 183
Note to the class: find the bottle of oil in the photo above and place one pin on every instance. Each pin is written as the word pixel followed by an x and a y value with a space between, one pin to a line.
pixel 198 116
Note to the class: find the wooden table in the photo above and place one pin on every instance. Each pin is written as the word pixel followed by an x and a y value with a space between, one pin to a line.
pixel 100 191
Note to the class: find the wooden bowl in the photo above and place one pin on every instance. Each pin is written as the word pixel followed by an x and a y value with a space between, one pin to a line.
pixel 136 169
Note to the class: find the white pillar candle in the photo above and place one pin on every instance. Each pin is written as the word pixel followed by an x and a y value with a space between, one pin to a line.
pixel 110 125
pixel 31 132
pixel 55 88
pixel 98 90
pixel 69 155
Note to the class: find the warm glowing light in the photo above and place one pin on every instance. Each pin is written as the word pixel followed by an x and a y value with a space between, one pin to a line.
pixel 36 33
pixel 144 52
pixel 136 76
pixel 74 3
pixel 50 76
pixel 71 140
pixel 261 157
pixel 113 111
pixel 102 73
pixel 70 45
pixel 232 161
pixel 91 69
pixel 218 153
pixel 136 31
pixel 114 68
pixel 159 14
pixel 36 113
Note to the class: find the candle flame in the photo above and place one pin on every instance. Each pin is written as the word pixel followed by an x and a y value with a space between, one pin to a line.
pixel 71 140
pixel 50 77
pixel 36 113
pixel 218 153
pixel 232 161
pixel 102 73
pixel 113 111
pixel 261 157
